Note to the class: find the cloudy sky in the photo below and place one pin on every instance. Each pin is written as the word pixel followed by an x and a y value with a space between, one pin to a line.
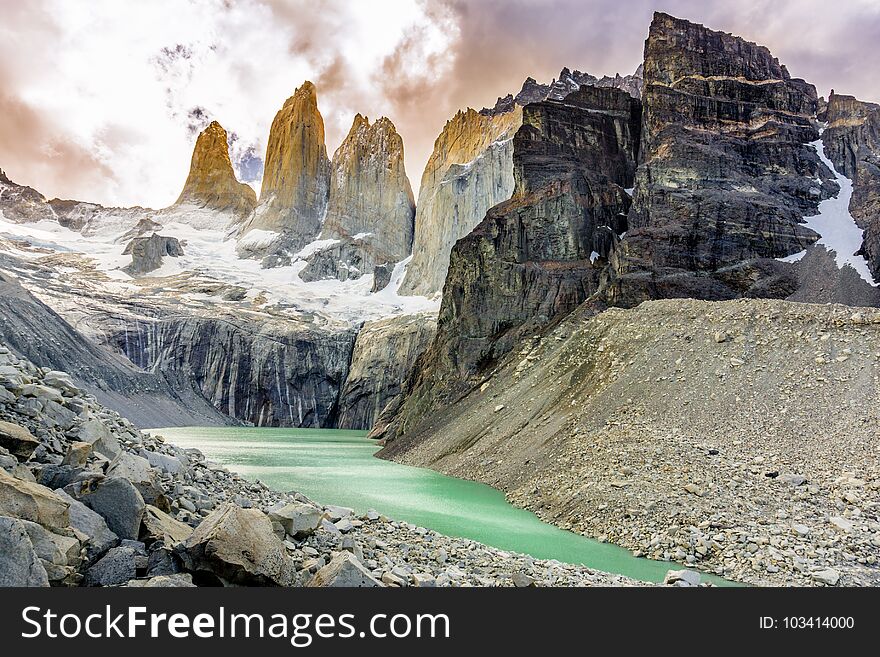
pixel 101 100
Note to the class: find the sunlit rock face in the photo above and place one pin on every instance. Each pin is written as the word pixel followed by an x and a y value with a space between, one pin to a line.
pixel 296 178
pixel 852 142
pixel 727 173
pixel 211 182
pixel 469 171
pixel 371 208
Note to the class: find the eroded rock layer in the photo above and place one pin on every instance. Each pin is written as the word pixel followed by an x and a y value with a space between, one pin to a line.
pixel 469 171
pixel 727 173
pixel 211 182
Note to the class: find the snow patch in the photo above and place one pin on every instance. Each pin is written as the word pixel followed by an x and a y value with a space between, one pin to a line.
pixel 257 238
pixel 836 226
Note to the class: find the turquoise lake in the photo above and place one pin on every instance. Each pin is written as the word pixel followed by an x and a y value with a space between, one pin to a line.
pixel 338 467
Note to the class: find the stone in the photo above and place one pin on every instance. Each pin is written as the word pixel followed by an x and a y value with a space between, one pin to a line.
pixel 177 580
pixel 98 435
pixel 18 440
pixel 423 580
pixel 390 579
pixel 828 576
pixel 61 381
pixel 344 570
pixel 113 569
pixel 90 525
pixel 211 182
pixel 841 524
pixel 298 519
pixel 237 546
pixel 148 253
pixel 164 462
pixel 793 479
pixel 682 578
pixel 157 525
pixel 77 454
pixel 344 525
pixel 19 563
pixel 31 501
pixel 693 489
pixel 334 513
pixel 115 499
pixel 42 392
pixel 521 580
pixel 140 473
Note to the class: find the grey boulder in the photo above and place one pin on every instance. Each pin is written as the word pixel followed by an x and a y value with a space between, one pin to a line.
pixel 19 563
pixel 116 500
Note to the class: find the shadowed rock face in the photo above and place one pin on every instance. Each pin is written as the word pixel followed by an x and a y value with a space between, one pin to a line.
pixel 726 175
pixel 539 255
pixel 211 182
pixel 296 179
pixel 469 171
pixel 371 207
pixel 852 142
pixel 147 253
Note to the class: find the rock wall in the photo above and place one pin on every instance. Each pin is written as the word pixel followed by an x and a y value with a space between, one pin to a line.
pixel 264 372
pixel 296 178
pixel 726 173
pixel 536 257
pixel 383 356
pixel 852 142
pixel 470 170
pixel 371 206
pixel 211 182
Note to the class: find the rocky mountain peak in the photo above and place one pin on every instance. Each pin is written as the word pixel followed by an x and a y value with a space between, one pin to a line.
pixel 211 182
pixel 296 178
pixel 371 207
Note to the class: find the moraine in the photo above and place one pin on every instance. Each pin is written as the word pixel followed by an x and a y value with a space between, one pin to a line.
pixel 338 467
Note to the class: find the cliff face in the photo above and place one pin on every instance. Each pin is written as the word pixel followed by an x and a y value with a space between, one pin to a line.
pixel 726 175
pixel 852 142
pixel 371 206
pixel 536 257
pixel 211 182
pixel 296 178
pixel 469 171
pixel 265 372
pixel 384 353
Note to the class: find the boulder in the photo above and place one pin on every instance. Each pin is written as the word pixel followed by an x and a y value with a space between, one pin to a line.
pixel 92 526
pixel 61 381
pixel 31 501
pixel 77 454
pixel 164 581
pixel 60 555
pixel 170 464
pixel 96 433
pixel 238 547
pixel 115 499
pixel 19 563
pixel 682 578
pixel 344 570
pixel 299 520
pixel 116 567
pixel 140 473
pixel 158 525
pixel 18 440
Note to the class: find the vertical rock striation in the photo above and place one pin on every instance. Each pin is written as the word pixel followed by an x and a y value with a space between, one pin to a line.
pixel 371 208
pixel 727 174
pixel 469 171
pixel 211 182
pixel 852 143
pixel 296 179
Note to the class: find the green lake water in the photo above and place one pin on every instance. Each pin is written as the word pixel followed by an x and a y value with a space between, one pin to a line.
pixel 338 467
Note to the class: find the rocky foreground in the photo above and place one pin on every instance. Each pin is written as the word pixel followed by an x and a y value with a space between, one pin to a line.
pixel 86 499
